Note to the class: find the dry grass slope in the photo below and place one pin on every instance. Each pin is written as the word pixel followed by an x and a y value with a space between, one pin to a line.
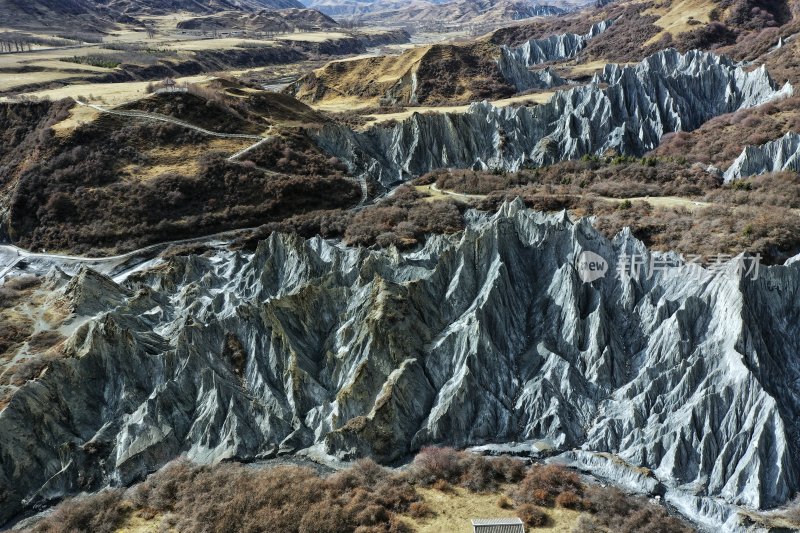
pixel 439 492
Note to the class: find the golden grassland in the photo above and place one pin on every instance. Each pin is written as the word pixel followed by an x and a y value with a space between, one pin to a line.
pixel 689 204
pixel 675 17
pixel 107 93
pixel 454 509
pixel 382 72
pixel 180 159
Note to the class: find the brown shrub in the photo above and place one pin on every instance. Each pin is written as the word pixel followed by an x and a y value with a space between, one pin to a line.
pixel 441 466
pixel 437 464
pixel 720 140
pixel 616 511
pixel 365 472
pixel 77 195
pixel 14 289
pixel 237 498
pixel 442 486
pixel 504 503
pixel 623 41
pixel 403 220
pixel 395 494
pixel 479 476
pixel 570 500
pixel 532 515
pixel 772 232
pixel 398 526
pixel 374 514
pixel 420 510
pixel 44 339
pixel 544 483
pixel 324 518
pixel 512 470
pixel 103 512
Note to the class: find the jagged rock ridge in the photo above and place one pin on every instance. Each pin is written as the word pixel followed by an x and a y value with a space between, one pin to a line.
pixel 555 47
pixel 485 336
pixel 514 63
pixel 666 92
pixel 523 79
pixel 774 156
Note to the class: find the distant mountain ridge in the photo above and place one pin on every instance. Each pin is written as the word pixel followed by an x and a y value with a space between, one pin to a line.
pixel 264 21
pixel 100 14
pixel 194 6
pixel 466 11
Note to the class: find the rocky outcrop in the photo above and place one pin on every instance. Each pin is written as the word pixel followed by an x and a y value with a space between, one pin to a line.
pixel 524 79
pixel 555 47
pixel 774 156
pixel 625 108
pixel 514 63
pixel 488 336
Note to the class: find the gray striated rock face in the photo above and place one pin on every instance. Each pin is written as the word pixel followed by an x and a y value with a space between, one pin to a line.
pixel 774 156
pixel 514 63
pixel 555 47
pixel 523 79
pixel 487 336
pixel 666 92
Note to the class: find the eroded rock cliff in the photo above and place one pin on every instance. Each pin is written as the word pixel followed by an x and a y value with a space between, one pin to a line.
pixel 555 47
pixel 486 336
pixel 515 63
pixel 774 156
pixel 626 109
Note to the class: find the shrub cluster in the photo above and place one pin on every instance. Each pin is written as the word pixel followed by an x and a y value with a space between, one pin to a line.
pixel 721 140
pixel 613 510
pixel 547 485
pixel 365 498
pixel 236 498
pixel 444 466
pixel 403 220
pixel 613 176
pixel 749 216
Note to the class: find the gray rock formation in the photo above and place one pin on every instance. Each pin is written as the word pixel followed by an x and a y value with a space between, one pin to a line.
pixel 515 63
pixel 488 336
pixel 555 47
pixel 774 156
pixel 524 79
pixel 666 92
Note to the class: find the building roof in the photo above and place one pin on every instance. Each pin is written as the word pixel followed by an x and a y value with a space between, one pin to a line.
pixel 498 525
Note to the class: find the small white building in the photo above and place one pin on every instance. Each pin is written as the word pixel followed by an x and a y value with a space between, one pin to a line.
pixel 497 525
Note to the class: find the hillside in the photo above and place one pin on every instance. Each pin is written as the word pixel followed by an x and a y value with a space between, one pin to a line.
pixel 483 11
pixel 573 47
pixel 424 75
pixel 458 11
pixel 86 15
pixel 282 21
pixel 100 15
pixel 121 181
pixel 162 7
pixel 433 276
pixel 645 27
